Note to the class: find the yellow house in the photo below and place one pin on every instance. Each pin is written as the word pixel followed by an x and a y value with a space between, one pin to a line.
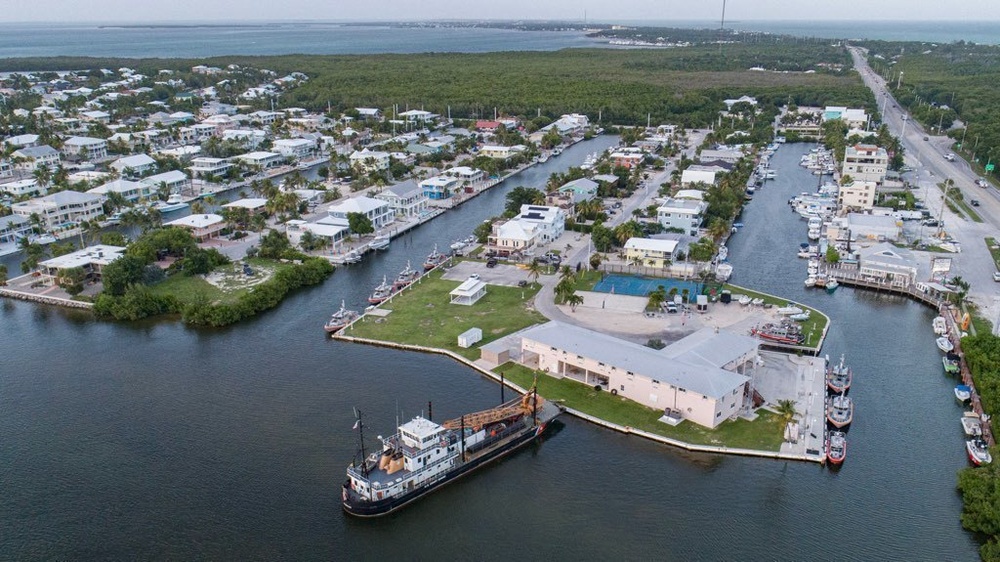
pixel 650 252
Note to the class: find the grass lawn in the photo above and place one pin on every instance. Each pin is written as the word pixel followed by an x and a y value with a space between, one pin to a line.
pixel 764 433
pixel 814 325
pixel 195 289
pixel 422 315
pixel 994 248
pixel 587 279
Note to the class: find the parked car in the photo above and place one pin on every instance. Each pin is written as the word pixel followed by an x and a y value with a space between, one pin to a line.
pixel 492 262
pixel 474 276
pixel 671 308
pixel 522 283
pixel 930 222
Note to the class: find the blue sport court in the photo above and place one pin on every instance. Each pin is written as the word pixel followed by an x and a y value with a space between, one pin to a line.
pixel 642 286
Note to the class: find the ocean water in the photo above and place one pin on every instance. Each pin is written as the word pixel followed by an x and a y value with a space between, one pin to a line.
pixel 212 39
pixel 195 40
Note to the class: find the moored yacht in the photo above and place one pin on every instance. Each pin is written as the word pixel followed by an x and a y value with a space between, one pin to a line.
pixel 840 411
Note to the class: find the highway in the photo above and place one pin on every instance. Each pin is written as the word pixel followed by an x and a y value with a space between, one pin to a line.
pixel 930 167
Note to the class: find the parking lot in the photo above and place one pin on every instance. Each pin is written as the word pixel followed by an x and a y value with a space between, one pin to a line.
pixel 502 274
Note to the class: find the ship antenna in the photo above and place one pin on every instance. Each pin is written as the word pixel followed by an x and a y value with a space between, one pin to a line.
pixel 462 434
pixel 361 440
pixel 534 401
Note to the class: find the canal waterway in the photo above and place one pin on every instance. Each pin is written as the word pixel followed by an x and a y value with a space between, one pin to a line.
pixel 154 440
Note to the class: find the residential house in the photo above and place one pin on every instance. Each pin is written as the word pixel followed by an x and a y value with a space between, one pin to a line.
pixel 697 378
pixel 175 181
pixel 440 187
pixel 650 252
pixel 742 99
pixel 253 205
pixel 92 259
pixel 865 162
pixel 195 133
pixel 725 154
pixel 855 118
pixel 249 139
pixel 628 157
pixel 468 176
pixel 96 116
pixel 63 208
pixel 685 215
pixel 131 191
pixel 13 228
pixel 202 227
pixel 369 160
pixel 501 152
pixel 369 113
pixel 134 166
pixel 204 166
pixel 37 156
pixel 21 141
pixel 6 168
pixel 295 148
pixel 85 148
pixel 571 193
pixel 535 225
pixel 23 187
pixel 689 176
pixel 379 212
pixel 262 160
pixel 406 199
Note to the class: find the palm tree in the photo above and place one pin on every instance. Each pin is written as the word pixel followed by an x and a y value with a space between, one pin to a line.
pixel 574 300
pixel 534 270
pixel 626 230
pixel 566 273
pixel 718 229
pixel 657 298
pixel 786 409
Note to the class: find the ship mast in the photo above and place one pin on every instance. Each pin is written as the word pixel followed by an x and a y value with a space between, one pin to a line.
pixel 361 440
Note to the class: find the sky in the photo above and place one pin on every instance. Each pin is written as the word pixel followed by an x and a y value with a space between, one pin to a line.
pixel 603 10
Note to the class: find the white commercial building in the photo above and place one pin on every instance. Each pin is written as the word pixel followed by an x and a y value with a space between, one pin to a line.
pixel 887 263
pixel 697 378
pixel 857 196
pixel 865 162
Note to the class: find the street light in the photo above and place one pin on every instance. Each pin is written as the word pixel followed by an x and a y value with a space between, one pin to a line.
pixel 902 135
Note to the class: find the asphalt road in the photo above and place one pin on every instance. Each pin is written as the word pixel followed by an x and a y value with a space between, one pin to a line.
pixel 974 263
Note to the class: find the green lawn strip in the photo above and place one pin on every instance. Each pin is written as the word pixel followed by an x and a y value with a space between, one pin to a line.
pixel 814 325
pixel 587 280
pixel 764 433
pixel 967 209
pixel 422 315
pixel 189 289
pixel 994 248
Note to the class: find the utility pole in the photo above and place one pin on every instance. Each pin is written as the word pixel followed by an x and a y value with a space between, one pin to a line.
pixel 899 80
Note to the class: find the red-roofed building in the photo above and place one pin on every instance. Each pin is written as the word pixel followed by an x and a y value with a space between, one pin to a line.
pixel 487 125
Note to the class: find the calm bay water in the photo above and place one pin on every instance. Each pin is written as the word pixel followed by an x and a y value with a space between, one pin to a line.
pixel 327 38
pixel 153 440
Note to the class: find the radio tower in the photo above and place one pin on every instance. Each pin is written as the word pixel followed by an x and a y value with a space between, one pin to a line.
pixel 722 27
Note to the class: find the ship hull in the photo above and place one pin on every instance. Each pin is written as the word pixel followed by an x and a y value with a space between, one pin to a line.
pixel 389 505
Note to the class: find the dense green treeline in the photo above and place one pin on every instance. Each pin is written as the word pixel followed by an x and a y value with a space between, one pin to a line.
pixel 942 83
pixel 684 86
pixel 980 487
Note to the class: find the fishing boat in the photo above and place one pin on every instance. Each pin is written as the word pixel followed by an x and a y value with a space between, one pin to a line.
pixel 940 326
pixel 723 271
pixel 423 456
pixel 836 447
pixel 979 452
pixel 786 333
pixel 952 364
pixel 351 257
pixel 944 344
pixel 341 318
pixel 963 392
pixel 379 242
pixel 381 293
pixel 840 411
pixel 434 259
pixel 831 286
pixel 839 377
pixel 405 277
pixel 972 425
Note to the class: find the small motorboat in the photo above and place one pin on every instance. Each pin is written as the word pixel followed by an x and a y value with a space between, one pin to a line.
pixel 979 452
pixel 972 424
pixel 810 281
pixel 801 317
pixel 744 300
pixel 379 242
pixel 952 364
pixel 940 326
pixel 832 285
pixel 757 302
pixel 963 393
pixel 789 310
pixel 836 447
pixel 944 344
